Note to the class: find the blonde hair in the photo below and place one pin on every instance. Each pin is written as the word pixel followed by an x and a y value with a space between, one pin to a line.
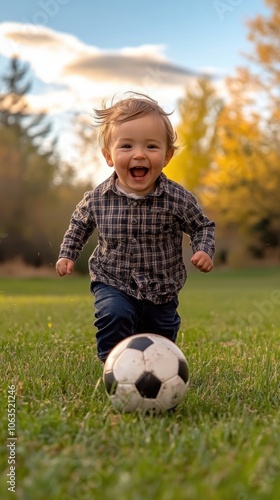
pixel 130 109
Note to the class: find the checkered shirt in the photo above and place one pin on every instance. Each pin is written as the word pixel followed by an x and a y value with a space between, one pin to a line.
pixel 139 247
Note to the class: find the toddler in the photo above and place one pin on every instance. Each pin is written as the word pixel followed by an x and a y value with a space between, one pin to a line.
pixel 137 270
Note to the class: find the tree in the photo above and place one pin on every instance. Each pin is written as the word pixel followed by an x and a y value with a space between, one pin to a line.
pixel 243 184
pixel 264 34
pixel 26 170
pixel 13 103
pixel 196 135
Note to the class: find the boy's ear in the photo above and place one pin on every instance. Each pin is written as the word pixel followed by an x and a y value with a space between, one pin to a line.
pixel 107 157
pixel 168 156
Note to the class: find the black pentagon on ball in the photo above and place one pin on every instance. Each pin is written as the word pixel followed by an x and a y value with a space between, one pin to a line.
pixel 140 343
pixel 183 370
pixel 110 382
pixel 148 385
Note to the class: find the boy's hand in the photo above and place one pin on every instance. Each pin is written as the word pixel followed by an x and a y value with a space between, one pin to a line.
pixel 64 266
pixel 202 261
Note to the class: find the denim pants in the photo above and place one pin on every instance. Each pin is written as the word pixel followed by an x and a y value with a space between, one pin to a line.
pixel 119 316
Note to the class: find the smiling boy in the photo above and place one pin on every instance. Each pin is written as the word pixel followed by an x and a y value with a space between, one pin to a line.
pixel 137 269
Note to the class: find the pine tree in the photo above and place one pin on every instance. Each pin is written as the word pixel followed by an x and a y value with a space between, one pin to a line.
pixel 27 169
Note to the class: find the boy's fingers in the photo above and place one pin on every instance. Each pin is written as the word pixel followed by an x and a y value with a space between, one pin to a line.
pixel 64 267
pixel 202 262
pixel 69 267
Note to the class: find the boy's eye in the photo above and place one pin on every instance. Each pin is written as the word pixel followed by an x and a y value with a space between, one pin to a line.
pixel 126 146
pixel 152 146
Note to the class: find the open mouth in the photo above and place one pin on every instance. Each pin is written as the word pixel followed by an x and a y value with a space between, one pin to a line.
pixel 139 172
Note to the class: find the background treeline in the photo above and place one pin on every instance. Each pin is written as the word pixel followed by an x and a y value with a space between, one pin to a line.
pixel 229 157
pixel 38 191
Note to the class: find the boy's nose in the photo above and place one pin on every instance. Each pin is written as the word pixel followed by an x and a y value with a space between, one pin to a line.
pixel 139 153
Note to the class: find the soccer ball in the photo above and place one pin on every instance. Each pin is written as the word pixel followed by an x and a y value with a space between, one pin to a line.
pixel 146 373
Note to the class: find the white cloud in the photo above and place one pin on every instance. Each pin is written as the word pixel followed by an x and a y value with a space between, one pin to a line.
pixel 46 50
pixel 120 68
pixel 59 56
pixel 155 52
pixel 52 103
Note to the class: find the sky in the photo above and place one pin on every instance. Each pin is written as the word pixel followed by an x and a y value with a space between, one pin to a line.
pixel 81 51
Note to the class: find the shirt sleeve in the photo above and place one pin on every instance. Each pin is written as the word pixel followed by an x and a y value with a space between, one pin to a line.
pixel 82 225
pixel 200 228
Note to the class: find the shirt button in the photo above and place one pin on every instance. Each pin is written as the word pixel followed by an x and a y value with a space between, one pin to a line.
pixel 134 221
pixel 133 240
pixel 134 203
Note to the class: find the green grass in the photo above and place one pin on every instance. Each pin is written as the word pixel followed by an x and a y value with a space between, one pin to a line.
pixel 221 443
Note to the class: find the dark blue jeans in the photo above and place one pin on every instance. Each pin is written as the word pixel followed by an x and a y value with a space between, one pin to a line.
pixel 119 316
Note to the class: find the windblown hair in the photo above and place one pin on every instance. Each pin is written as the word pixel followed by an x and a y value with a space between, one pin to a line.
pixel 129 109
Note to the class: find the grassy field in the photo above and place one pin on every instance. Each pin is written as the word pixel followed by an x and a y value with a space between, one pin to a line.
pixel 222 442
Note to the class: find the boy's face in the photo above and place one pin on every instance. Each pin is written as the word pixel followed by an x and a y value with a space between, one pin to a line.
pixel 138 152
